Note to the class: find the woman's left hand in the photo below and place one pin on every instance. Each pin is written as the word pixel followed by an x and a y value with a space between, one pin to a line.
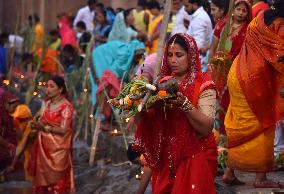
pixel 181 102
pixel 178 101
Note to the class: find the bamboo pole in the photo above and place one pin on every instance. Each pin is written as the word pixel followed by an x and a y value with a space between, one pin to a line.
pixel 162 37
pixel 97 130
pixel 163 33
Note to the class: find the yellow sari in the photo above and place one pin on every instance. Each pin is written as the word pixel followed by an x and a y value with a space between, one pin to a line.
pixel 254 82
pixel 152 28
pixel 39 37
pixel 245 134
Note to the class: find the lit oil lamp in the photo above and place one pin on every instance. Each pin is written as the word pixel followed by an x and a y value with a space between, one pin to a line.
pixel 115 132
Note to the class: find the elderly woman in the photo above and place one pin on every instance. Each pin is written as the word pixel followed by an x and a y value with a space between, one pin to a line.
pixel 176 140
pixel 51 166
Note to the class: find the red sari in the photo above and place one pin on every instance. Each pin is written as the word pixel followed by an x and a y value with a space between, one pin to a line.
pixel 258 7
pixel 169 142
pixel 51 167
pixel 7 131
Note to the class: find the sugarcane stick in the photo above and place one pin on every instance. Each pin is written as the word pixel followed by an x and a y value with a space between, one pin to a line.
pixel 162 37
pixel 97 130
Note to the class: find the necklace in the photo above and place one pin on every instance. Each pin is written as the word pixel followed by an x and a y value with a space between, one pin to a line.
pixel 55 104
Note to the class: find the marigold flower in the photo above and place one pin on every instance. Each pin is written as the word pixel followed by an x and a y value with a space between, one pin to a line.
pixel 138 101
pixel 129 102
pixel 162 93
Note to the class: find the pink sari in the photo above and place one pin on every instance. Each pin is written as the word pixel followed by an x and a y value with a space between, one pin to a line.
pixel 66 32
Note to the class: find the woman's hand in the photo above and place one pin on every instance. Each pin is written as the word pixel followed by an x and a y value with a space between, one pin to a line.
pixel 181 102
pixel 37 126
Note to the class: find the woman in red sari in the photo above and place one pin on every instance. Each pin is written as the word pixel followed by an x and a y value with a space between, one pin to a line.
pixel 51 166
pixel 239 22
pixel 176 140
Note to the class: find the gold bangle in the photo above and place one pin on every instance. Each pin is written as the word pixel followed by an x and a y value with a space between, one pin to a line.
pixel 185 101
pixel 187 106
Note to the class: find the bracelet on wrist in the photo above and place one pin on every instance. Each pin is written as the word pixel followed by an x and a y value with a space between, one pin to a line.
pixel 187 106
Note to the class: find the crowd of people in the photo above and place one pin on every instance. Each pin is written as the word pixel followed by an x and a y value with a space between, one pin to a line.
pixel 226 57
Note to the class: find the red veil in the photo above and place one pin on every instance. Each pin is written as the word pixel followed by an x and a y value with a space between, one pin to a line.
pixel 161 128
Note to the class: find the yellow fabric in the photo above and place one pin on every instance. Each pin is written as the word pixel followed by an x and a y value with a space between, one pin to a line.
pixel 55 45
pixel 27 153
pixel 25 144
pixel 139 20
pixel 154 22
pixel 39 37
pixel 22 112
pixel 171 24
pixel 250 146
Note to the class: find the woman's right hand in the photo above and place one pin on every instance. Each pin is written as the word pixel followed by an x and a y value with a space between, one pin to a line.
pixel 37 126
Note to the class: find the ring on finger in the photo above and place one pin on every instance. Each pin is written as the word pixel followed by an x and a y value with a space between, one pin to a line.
pixel 185 101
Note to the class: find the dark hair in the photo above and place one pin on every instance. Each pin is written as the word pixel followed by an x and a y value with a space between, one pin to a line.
pixel 142 3
pixel 178 40
pixel 59 81
pixel 222 4
pixel 131 153
pixel 127 12
pixel 271 14
pixel 111 10
pixel 199 3
pixel 104 13
pixel 4 37
pixel 247 5
pixel 91 2
pixel 53 33
pixel 84 40
pixel 33 18
pixel 27 56
pixel 153 4
pixel 206 5
pixel 101 6
pixel 81 25
pixel 69 49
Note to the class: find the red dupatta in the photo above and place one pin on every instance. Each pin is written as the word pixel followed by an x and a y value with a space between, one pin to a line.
pixel 260 73
pixel 163 128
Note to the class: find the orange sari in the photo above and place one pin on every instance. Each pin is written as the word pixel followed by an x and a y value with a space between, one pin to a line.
pixel 51 167
pixel 254 83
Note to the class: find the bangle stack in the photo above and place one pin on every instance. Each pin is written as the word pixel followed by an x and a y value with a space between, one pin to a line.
pixel 187 106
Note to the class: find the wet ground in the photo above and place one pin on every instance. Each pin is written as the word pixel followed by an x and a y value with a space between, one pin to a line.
pixel 119 177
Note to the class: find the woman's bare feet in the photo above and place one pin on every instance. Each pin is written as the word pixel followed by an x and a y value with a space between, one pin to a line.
pixel 230 178
pixel 261 181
